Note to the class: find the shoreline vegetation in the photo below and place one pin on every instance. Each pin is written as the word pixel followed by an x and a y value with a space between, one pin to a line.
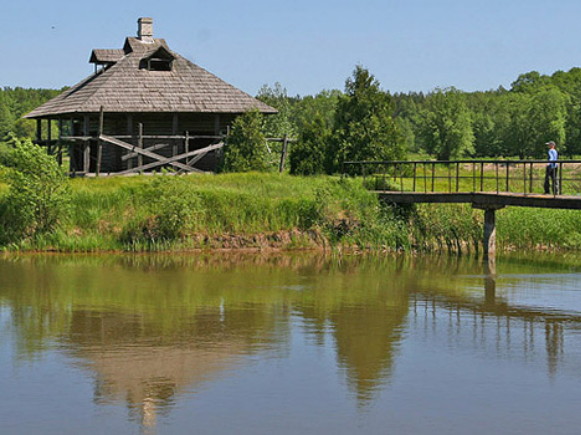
pixel 267 211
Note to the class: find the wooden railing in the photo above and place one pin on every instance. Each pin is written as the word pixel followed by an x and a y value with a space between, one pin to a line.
pixel 456 176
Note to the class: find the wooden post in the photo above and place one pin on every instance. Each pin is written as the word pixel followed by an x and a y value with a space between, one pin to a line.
pixel 283 153
pixel 174 132
pixel 187 142
pixel 489 233
pixel 87 146
pixel 140 143
pixel 48 136
pixel 99 142
pixel 38 131
pixel 217 124
pixel 59 157
pixel 489 239
pixel 130 133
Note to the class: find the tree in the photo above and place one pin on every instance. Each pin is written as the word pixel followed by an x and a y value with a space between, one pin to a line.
pixel 364 126
pixel 38 192
pixel 548 115
pixel 245 148
pixel 309 155
pixel 447 125
pixel 280 124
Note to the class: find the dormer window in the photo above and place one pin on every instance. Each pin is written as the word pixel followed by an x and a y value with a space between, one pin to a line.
pixel 161 60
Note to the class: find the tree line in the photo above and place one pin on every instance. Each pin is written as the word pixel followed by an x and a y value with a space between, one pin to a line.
pixel 365 122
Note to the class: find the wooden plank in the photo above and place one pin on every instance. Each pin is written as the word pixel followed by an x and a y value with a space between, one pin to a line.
pixel 174 160
pixel 161 160
pixel 196 159
pixel 157 146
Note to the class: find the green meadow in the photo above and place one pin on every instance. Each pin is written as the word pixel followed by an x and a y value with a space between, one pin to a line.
pixel 273 211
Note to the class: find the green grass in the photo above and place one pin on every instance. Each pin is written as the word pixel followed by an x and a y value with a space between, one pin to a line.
pixel 254 210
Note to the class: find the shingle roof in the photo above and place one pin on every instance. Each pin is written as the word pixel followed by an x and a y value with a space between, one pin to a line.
pixel 127 87
pixel 106 55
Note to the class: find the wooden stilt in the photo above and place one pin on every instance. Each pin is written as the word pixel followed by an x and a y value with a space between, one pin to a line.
pixel 49 136
pixel 99 142
pixel 86 146
pixel 130 133
pixel 489 232
pixel 174 131
pixel 38 131
pixel 140 144
pixel 283 153
pixel 59 156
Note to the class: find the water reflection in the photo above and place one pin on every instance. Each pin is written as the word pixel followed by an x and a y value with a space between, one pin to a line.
pixel 153 328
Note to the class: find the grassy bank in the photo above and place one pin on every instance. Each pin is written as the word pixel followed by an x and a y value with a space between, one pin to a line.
pixel 153 213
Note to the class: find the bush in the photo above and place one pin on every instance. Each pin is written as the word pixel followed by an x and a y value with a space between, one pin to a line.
pixel 38 194
pixel 172 209
pixel 245 148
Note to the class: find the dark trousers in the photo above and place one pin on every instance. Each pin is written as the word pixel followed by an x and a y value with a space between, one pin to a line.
pixel 551 178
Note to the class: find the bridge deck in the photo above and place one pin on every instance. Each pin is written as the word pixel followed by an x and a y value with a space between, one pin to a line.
pixel 484 199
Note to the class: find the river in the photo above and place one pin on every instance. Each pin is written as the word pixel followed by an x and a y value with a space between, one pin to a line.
pixel 289 344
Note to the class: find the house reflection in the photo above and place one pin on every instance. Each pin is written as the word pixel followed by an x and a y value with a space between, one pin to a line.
pixel 150 332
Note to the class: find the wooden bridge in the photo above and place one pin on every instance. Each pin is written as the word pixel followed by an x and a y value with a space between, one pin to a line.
pixel 488 185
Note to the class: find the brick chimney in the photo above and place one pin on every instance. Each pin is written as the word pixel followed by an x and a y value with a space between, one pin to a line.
pixel 145 29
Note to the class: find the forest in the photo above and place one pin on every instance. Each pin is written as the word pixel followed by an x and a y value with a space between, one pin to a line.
pixel 365 122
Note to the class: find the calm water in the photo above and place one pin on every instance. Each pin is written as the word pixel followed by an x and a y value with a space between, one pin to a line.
pixel 286 344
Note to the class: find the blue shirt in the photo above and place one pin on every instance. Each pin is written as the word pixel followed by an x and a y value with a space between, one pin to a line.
pixel 553 156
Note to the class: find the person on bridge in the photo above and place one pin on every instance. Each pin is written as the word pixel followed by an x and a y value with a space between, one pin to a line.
pixel 551 171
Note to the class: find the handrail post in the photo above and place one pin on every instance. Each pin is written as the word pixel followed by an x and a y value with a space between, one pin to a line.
pixel 559 188
pixel 524 178
pixel 457 176
pixel 433 175
pixel 507 176
pixel 414 183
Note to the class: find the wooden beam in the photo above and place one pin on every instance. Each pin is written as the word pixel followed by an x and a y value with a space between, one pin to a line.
pixel 174 160
pixel 157 146
pixel 38 131
pixel 283 154
pixel 131 135
pixel 140 144
pixel 489 233
pixel 217 123
pixel 49 136
pixel 99 142
pixel 87 147
pixel 59 157
pixel 174 132
pixel 161 160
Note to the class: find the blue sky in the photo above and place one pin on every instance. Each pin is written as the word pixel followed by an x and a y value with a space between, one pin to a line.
pixel 307 46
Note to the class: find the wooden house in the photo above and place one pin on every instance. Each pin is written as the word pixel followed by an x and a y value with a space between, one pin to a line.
pixel 145 107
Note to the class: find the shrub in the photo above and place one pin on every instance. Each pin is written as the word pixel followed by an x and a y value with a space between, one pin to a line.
pixel 171 210
pixel 38 194
pixel 245 148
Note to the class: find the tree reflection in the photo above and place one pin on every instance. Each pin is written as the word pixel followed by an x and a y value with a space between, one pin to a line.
pixel 152 327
